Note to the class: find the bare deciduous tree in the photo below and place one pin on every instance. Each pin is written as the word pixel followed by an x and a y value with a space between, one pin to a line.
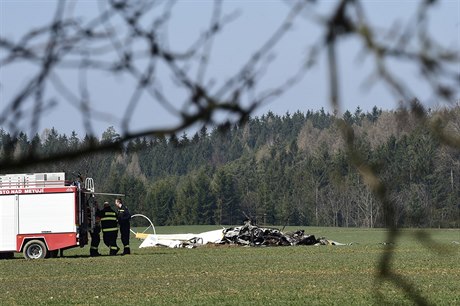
pixel 135 48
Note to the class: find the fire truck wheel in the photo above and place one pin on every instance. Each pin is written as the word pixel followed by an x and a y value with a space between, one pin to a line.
pixel 35 249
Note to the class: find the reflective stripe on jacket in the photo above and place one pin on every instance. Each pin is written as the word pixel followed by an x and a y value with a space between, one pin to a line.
pixel 108 219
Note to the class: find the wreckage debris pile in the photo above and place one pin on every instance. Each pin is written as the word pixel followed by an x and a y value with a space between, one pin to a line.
pixel 246 235
pixel 252 235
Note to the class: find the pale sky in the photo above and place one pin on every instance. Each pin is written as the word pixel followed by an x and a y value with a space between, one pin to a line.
pixel 255 22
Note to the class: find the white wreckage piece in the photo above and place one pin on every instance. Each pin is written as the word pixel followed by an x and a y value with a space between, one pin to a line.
pixel 246 235
pixel 182 240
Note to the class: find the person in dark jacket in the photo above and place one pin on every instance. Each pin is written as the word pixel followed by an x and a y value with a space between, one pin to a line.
pixel 124 218
pixel 95 231
pixel 109 225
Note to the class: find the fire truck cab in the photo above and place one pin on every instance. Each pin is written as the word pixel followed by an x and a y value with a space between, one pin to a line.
pixel 42 213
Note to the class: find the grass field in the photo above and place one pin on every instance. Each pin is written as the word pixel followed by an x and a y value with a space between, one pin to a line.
pixel 224 275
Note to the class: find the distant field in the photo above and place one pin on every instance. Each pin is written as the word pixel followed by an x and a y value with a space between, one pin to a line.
pixel 223 275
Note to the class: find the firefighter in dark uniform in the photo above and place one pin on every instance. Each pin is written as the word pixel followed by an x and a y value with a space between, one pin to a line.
pixel 95 232
pixel 124 218
pixel 109 225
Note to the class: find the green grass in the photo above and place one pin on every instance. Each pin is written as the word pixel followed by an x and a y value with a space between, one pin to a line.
pixel 224 275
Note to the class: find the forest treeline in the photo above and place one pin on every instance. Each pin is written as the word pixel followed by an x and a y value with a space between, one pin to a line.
pixel 278 170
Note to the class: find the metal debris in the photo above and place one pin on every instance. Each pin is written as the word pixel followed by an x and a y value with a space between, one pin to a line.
pixel 246 235
pixel 252 235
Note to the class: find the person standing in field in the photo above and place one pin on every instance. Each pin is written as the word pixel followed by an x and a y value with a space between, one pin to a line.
pixel 95 232
pixel 109 225
pixel 124 218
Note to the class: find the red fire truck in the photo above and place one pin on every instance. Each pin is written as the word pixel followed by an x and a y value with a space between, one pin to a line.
pixel 42 213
